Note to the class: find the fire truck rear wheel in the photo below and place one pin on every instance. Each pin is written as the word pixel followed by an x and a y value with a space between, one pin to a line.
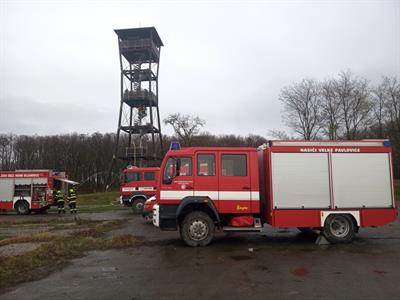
pixel 197 229
pixel 339 228
pixel 22 208
pixel 137 205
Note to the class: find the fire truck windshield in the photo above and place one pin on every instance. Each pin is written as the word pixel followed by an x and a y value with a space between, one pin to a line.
pixel 133 176
pixel 177 166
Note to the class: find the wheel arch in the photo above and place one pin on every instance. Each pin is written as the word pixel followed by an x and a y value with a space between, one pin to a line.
pixel 20 201
pixel 192 203
pixel 354 215
pixel 136 196
pixel 345 229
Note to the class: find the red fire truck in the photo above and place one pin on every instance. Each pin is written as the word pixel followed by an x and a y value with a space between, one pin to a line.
pixel 334 187
pixel 30 190
pixel 137 185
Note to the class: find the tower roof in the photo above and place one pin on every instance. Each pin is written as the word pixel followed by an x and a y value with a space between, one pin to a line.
pixel 143 32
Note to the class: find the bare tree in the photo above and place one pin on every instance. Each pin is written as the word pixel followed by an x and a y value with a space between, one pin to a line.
pixel 279 134
pixel 391 88
pixel 302 108
pixel 6 151
pixel 331 110
pixel 379 105
pixel 185 126
pixel 354 98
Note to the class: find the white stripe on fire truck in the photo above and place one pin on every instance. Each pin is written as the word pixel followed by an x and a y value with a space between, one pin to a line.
pixel 128 189
pixel 146 188
pixel 175 195
pixel 132 189
pixel 210 194
pixel 234 196
pixel 231 195
pixel 255 196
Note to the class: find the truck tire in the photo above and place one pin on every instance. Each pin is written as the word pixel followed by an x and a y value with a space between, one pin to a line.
pixel 149 218
pixel 137 205
pixel 197 229
pixel 339 228
pixel 22 208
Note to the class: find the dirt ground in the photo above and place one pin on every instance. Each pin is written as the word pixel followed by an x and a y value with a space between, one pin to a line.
pixel 277 264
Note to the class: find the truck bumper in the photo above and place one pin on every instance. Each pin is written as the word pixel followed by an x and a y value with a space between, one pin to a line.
pixel 164 216
pixel 125 200
pixel 156 215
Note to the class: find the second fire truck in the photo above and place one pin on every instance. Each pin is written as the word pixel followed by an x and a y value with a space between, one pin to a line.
pixel 138 185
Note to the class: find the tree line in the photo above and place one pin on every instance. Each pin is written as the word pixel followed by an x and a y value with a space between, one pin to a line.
pixel 346 107
pixel 86 158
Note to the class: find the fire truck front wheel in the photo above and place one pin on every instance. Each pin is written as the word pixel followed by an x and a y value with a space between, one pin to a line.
pixel 339 228
pixel 137 205
pixel 197 229
pixel 22 208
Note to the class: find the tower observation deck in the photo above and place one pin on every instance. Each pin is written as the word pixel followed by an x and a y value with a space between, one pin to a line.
pixel 139 140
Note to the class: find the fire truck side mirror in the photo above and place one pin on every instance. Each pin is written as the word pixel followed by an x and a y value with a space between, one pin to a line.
pixel 167 179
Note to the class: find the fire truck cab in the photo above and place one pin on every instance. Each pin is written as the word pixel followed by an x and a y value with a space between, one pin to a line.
pixel 334 187
pixel 138 185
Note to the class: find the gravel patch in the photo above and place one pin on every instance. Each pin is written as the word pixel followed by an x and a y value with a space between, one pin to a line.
pixel 18 249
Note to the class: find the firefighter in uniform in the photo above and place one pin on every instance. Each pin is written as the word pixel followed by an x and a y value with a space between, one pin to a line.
pixel 60 202
pixel 72 200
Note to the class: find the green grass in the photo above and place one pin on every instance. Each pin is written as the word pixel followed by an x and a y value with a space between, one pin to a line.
pixel 107 198
pixel 96 202
pixel 46 220
pixel 38 237
pixel 56 251
pixel 50 221
pixel 55 254
pixel 77 225
pixel 397 189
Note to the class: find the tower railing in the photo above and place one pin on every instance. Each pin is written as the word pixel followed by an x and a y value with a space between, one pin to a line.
pixel 138 44
pixel 139 94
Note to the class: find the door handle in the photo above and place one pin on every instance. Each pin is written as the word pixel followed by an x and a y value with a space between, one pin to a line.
pixel 246 187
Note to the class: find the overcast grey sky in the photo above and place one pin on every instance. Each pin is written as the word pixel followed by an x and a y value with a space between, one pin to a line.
pixel 224 61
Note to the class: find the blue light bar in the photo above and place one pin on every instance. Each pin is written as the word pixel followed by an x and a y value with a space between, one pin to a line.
pixel 387 143
pixel 175 146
